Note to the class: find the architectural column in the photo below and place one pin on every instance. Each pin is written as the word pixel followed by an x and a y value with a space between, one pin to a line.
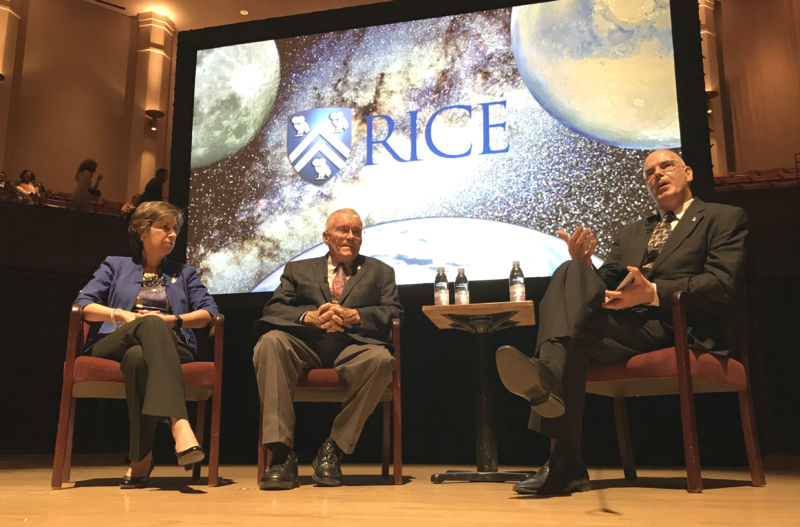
pixel 712 66
pixel 9 28
pixel 150 103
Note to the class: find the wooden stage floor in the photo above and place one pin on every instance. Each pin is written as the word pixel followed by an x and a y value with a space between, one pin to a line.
pixel 656 498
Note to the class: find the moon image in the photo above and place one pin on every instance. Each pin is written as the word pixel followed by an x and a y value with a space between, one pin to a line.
pixel 603 68
pixel 235 88
pixel 450 243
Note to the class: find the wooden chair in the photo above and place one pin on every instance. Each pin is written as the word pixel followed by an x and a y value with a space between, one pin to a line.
pixel 324 385
pixel 682 371
pixel 93 377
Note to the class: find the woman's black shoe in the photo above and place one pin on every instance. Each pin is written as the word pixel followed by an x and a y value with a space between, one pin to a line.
pixel 130 482
pixel 191 455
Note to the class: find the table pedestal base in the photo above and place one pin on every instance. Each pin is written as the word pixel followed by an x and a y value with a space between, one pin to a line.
pixel 470 475
pixel 482 320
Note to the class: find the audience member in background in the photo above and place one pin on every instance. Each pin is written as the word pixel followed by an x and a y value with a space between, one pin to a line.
pixel 85 189
pixel 6 187
pixel 26 190
pixel 130 206
pixel 38 184
pixel 145 304
pixel 154 190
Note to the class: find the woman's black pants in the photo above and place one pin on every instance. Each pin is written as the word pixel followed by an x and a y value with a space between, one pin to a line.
pixel 150 356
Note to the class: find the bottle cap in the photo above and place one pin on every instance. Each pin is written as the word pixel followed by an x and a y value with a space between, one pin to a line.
pixel 460 270
pixel 440 269
pixel 515 263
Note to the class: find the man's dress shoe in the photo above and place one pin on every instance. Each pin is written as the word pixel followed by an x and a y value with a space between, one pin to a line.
pixel 281 476
pixel 530 379
pixel 327 464
pixel 190 456
pixel 138 482
pixel 553 482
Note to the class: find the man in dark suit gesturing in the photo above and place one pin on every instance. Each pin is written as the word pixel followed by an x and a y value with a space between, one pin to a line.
pixel 328 312
pixel 621 309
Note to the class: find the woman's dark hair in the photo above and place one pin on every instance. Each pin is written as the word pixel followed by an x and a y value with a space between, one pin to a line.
pixel 87 164
pixel 145 215
pixel 25 172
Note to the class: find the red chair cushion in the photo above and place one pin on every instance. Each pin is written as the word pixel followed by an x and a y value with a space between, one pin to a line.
pixel 661 364
pixel 95 369
pixel 198 373
pixel 321 378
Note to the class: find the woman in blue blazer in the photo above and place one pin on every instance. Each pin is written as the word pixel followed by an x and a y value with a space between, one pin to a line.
pixel 145 304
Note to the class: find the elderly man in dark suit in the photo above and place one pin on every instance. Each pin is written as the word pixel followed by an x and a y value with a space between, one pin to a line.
pixel 334 311
pixel 586 316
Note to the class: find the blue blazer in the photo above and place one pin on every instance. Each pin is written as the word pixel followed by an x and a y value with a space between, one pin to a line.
pixel 118 279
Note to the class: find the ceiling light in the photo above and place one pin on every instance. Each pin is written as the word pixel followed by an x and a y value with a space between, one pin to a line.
pixel 244 12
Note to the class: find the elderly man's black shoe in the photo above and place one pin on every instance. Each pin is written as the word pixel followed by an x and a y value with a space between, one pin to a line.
pixel 531 379
pixel 327 464
pixel 564 478
pixel 281 476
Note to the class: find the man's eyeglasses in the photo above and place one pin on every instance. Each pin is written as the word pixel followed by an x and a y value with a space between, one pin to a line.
pixel 665 166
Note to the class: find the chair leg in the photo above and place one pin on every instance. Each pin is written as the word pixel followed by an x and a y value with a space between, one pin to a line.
pixel 70 436
pixel 386 423
pixel 213 439
pixel 62 442
pixel 624 438
pixel 694 482
pixel 754 459
pixel 200 432
pixel 262 454
pixel 397 438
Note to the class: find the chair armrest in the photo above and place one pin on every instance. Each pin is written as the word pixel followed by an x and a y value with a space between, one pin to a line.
pixel 216 322
pixel 74 333
pixel 396 337
pixel 681 300
pixel 216 332
pixel 396 374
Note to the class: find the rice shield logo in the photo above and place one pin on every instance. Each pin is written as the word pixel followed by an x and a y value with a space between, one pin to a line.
pixel 319 142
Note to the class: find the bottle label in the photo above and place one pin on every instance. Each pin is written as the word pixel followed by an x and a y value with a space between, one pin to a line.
pixel 462 296
pixel 441 297
pixel 516 292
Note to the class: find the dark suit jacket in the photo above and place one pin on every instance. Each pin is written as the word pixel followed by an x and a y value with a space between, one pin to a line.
pixel 371 289
pixel 704 254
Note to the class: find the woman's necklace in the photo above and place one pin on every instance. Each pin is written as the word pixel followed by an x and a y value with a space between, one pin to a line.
pixel 151 279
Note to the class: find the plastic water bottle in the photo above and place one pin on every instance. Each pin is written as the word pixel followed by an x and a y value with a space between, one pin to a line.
pixel 516 283
pixel 462 287
pixel 441 295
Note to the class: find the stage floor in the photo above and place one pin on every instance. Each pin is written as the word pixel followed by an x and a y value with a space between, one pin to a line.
pixel 658 497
